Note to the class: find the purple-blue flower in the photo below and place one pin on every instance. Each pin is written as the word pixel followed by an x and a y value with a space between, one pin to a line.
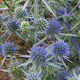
pixel 54 27
pixel 60 11
pixel 20 12
pixel 38 54
pixel 32 76
pixel 62 75
pixel 61 48
pixel 12 24
pixel 8 48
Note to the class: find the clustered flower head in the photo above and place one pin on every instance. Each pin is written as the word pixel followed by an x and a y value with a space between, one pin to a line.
pixel 23 26
pixel 54 27
pixel 8 48
pixel 60 11
pixel 12 24
pixel 60 48
pixel 62 75
pixel 42 24
pixel 20 12
pixel 38 54
pixel 32 76
pixel 16 71
pixel 49 69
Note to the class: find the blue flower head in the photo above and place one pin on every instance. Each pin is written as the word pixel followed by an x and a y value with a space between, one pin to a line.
pixel 20 12
pixel 62 75
pixel 54 27
pixel 8 48
pixel 38 54
pixel 60 48
pixel 42 24
pixel 32 76
pixel 60 11
pixel 12 24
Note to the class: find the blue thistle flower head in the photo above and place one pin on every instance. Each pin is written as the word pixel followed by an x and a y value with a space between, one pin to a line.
pixel 20 12
pixel 62 75
pixel 32 76
pixel 42 24
pixel 54 27
pixel 12 24
pixel 8 48
pixel 38 54
pixel 60 11
pixel 61 48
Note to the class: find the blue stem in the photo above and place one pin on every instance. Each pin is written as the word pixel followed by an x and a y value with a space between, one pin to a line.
pixel 74 8
pixel 68 27
pixel 6 4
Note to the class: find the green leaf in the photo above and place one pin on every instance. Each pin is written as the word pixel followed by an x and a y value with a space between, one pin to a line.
pixel 26 3
pixel 49 7
pixel 63 34
pixel 5 70
pixel 57 37
pixel 40 69
pixel 40 41
pixel 35 10
pixel 54 65
pixel 25 64
pixel 2 62
pixel 64 64
pixel 19 35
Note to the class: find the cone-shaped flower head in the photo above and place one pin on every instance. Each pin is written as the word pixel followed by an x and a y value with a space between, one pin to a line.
pixel 54 27
pixel 38 54
pixel 49 69
pixel 32 76
pixel 8 48
pixel 60 11
pixel 20 12
pixel 42 24
pixel 16 71
pixel 23 26
pixel 60 48
pixel 62 75
pixel 12 24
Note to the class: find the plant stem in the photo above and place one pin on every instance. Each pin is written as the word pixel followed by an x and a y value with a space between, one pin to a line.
pixel 68 27
pixel 74 8
pixel 6 4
